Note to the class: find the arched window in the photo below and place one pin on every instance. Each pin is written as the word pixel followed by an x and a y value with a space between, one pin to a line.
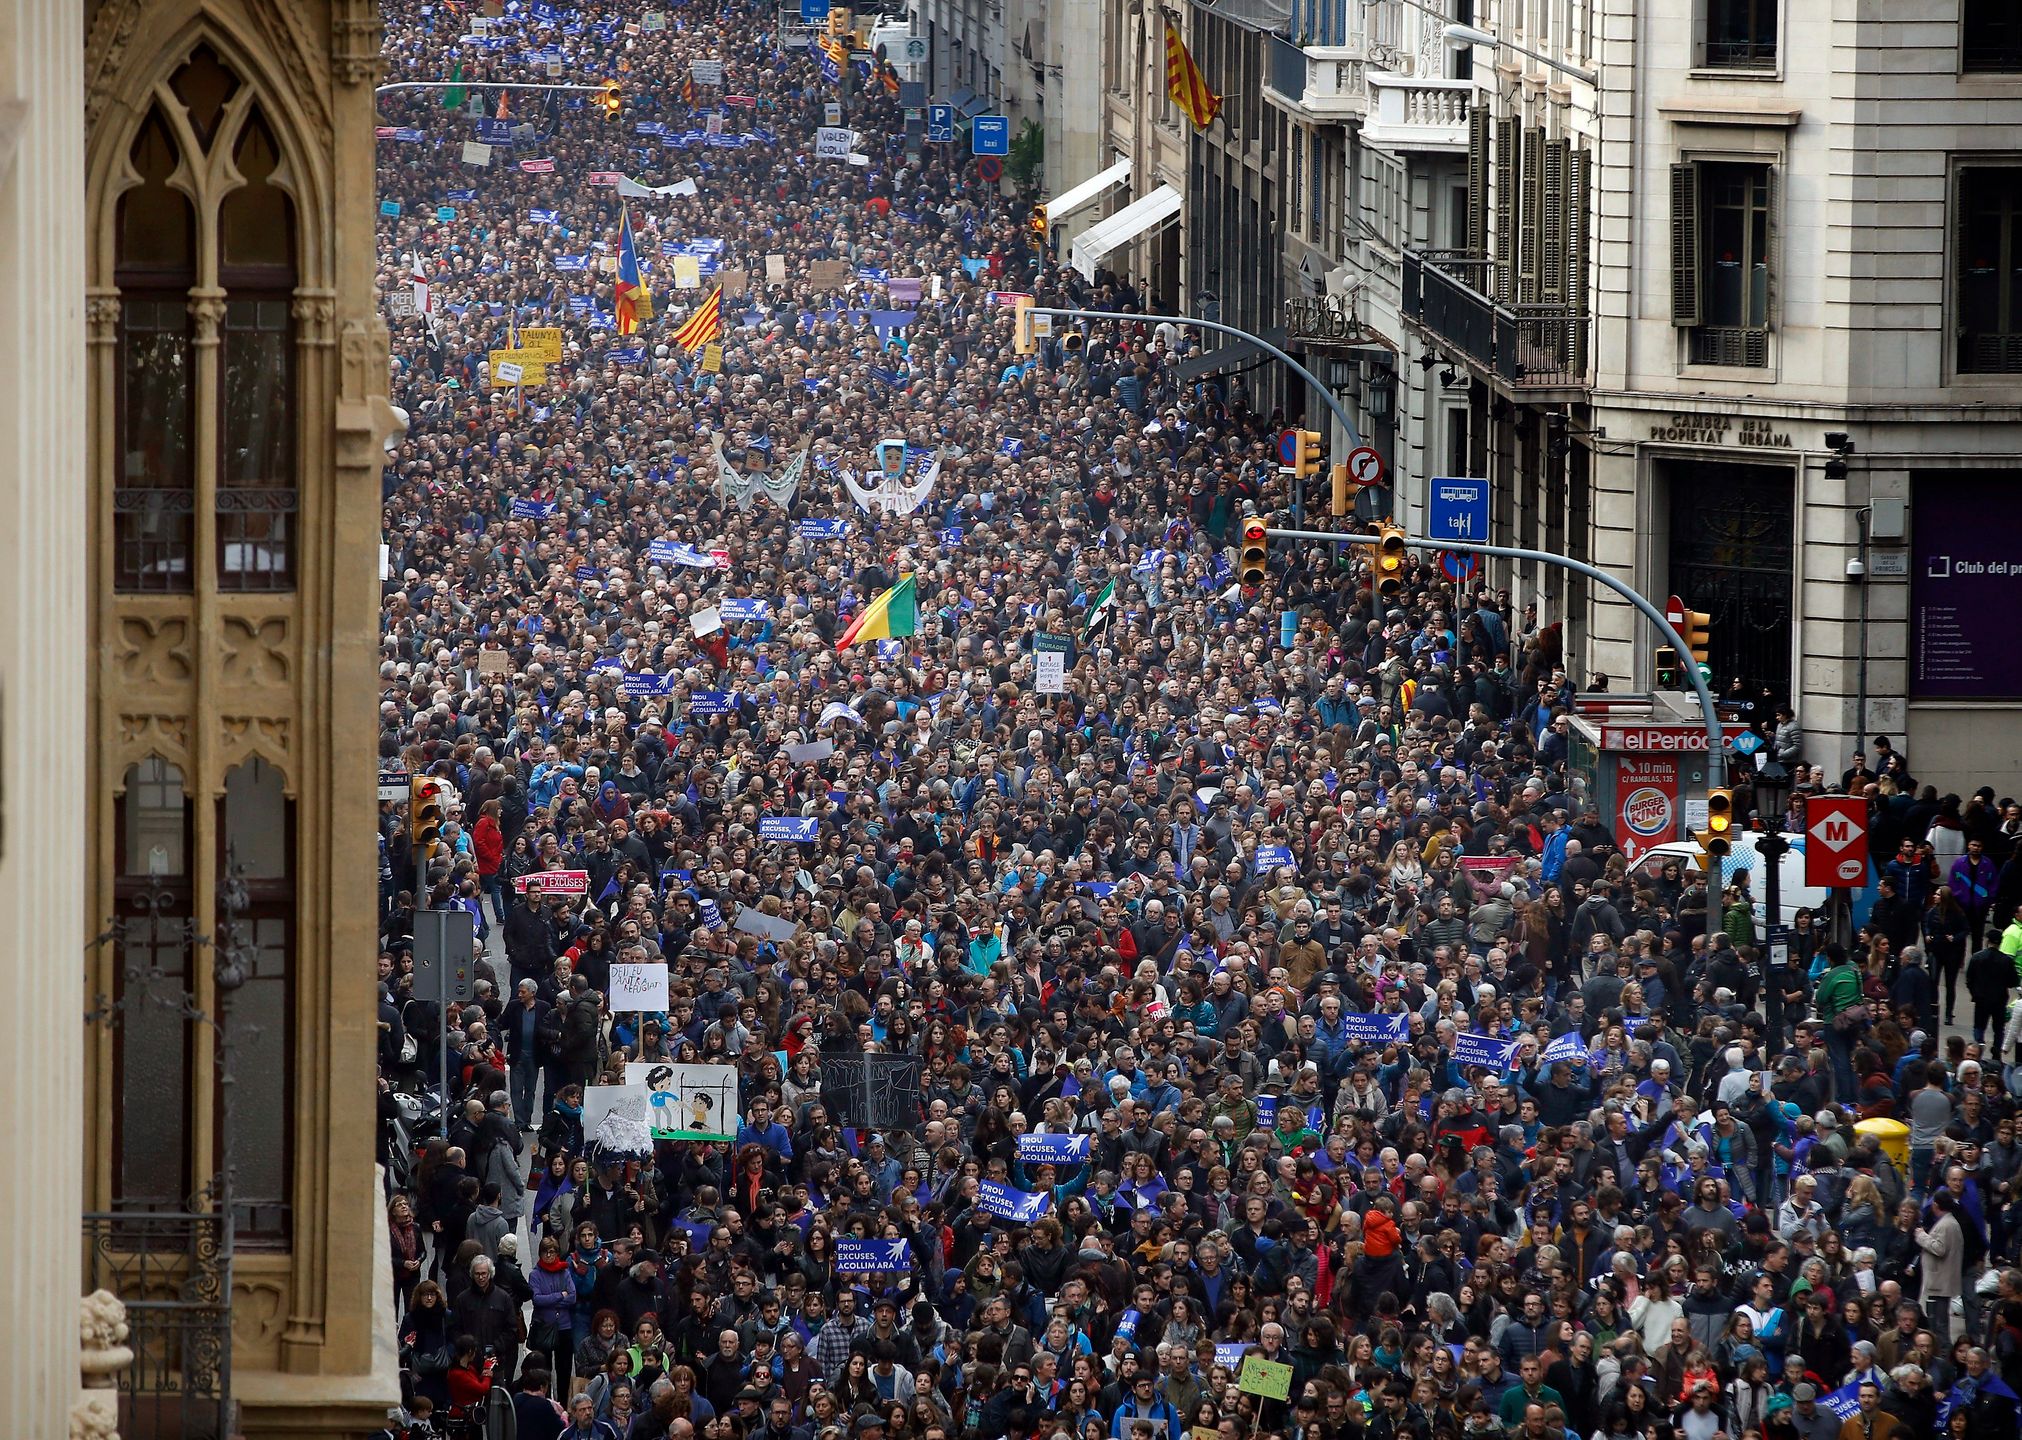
pixel 151 1050
pixel 155 490
pixel 257 415
pixel 257 829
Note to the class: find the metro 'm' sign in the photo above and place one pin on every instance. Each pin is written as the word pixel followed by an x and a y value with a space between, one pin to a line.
pixel 1836 841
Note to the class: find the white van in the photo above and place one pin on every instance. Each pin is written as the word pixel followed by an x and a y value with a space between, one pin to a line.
pixel 906 51
pixel 1792 894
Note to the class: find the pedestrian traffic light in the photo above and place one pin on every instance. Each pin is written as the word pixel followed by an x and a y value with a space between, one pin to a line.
pixel 1021 326
pixel 1697 634
pixel 1308 463
pixel 1256 557
pixel 611 100
pixel 1345 490
pixel 1670 669
pixel 425 813
pixel 1389 561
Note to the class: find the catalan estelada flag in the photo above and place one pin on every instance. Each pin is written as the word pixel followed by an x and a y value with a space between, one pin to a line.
pixel 892 616
pixel 705 325
pixel 1184 83
pixel 631 302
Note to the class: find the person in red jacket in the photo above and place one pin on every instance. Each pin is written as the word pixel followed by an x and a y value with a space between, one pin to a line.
pixel 488 841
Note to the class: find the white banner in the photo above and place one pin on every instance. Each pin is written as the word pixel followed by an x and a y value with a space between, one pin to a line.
pixel 706 72
pixel 476 154
pixel 834 142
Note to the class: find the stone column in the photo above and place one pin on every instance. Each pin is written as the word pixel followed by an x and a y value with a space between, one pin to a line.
pixel 42 650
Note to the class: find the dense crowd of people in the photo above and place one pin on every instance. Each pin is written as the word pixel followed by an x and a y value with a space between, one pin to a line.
pixel 1298 1054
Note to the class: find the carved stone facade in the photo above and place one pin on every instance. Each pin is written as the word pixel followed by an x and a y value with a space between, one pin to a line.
pixel 241 650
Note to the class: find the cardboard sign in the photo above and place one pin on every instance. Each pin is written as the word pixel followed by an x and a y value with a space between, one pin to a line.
pixel 734 283
pixel 775 269
pixel 712 358
pixel 830 274
pixel 638 988
pixel 494 662
pixel 1267 1378
pixel 687 272
pixel 543 343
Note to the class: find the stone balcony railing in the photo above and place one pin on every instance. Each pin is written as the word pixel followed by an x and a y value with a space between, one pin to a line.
pixel 1407 113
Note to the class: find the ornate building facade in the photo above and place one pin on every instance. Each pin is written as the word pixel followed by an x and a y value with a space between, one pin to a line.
pixel 198 385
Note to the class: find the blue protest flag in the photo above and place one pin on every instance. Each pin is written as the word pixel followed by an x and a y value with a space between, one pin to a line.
pixel 1053 1149
pixel 1376 1029
pixel 1007 1202
pixel 533 509
pixel 711 702
pixel 1472 1049
pixel 1270 857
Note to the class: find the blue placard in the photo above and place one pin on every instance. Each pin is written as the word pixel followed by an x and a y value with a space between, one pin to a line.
pixel 1376 1029
pixel 638 684
pixel 711 702
pixel 1569 1047
pixel 533 509
pixel 1267 1112
pixel 1004 1201
pixel 495 132
pixel 1053 1149
pixel 796 828
pixel 1270 857
pixel 390 208
pixel 824 529
pixel 738 610
pixel 940 124
pixel 858 1257
pixel 990 135
pixel 1472 1049
pixel 1457 509
pixel 1229 1354
pixel 445 213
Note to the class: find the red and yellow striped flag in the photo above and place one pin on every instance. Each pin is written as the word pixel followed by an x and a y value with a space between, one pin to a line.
pixel 1184 83
pixel 705 325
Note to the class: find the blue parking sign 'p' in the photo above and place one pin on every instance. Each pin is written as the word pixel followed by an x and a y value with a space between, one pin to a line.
pixel 990 135
pixel 940 124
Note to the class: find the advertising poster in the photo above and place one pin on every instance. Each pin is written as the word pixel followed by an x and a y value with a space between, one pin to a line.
pixel 1646 809
pixel 1965 586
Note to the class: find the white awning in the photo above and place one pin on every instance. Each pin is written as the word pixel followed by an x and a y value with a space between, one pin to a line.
pixel 1123 227
pixel 1069 201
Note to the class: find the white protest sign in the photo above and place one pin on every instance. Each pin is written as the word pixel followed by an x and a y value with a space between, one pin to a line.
pixel 683 187
pixel 833 142
pixel 1049 664
pixel 601 1100
pixel 638 987
pixel 775 269
pixel 813 751
pixel 857 158
pixel 831 112
pixel 509 371
pixel 714 124
pixel 476 154
pixel 706 72
pixel 706 621
pixel 766 927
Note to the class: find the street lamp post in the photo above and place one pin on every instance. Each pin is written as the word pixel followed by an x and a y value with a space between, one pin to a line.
pixel 1313 382
pixel 1772 791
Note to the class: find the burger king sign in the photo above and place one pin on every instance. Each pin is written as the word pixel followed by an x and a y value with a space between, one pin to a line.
pixel 1648 807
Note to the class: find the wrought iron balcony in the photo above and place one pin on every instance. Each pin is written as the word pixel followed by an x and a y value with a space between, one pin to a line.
pixel 1323 81
pixel 1450 297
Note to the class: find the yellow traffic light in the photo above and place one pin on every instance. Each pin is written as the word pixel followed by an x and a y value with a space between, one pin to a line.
pixel 838 21
pixel 1345 490
pixel 1036 223
pixel 1697 634
pixel 611 100
pixel 1389 565
pixel 425 813
pixel 1021 326
pixel 1716 840
pixel 1256 556
pixel 1309 453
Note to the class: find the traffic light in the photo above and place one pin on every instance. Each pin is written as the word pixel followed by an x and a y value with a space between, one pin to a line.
pixel 611 100
pixel 425 813
pixel 1697 634
pixel 1308 463
pixel 1670 669
pixel 1345 490
pixel 1389 561
pixel 1256 557
pixel 1021 326
pixel 1036 223
pixel 1716 840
